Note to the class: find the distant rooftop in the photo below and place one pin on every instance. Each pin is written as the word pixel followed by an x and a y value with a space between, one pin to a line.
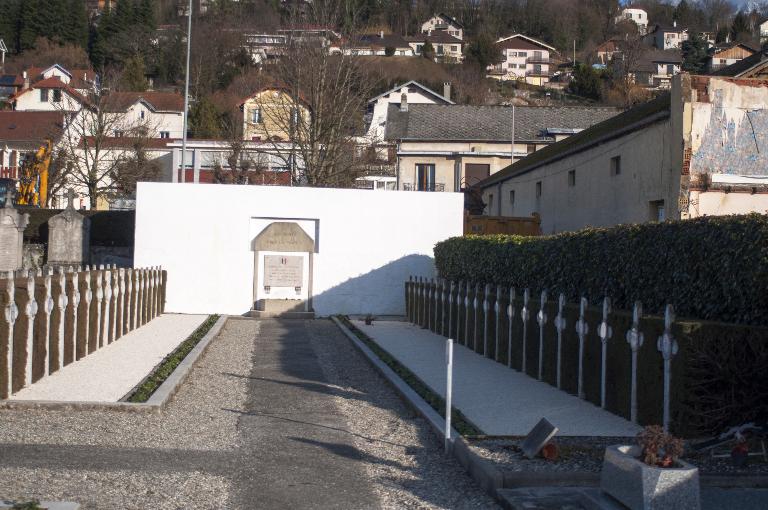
pixel 488 123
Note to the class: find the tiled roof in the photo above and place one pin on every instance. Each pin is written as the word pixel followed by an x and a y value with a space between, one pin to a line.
pixel 743 66
pixel 620 125
pixel 413 83
pixel 437 36
pixel 487 123
pixel 379 41
pixel 158 101
pixel 30 126
pixel 522 42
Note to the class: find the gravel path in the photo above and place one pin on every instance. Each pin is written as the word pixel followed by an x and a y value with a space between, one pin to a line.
pixel 108 374
pixel 201 453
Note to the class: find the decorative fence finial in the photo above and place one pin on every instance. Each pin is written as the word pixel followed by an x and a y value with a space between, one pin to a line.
pixel 582 329
pixel 560 325
pixel 635 339
pixel 667 345
pixel 511 316
pixel 604 331
pixel 524 315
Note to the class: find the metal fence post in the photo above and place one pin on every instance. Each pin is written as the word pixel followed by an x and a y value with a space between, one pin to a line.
pixel 510 316
pixel 560 324
pixel 541 319
pixel 635 339
pixel 524 315
pixel 448 391
pixel 582 328
pixel 604 331
pixel 667 345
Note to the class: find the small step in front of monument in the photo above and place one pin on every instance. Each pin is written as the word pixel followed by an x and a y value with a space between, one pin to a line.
pixel 281 309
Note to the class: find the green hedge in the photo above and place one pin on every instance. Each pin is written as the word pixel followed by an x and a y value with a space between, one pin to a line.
pixel 712 268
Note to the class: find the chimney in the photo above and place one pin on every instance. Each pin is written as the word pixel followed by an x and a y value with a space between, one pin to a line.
pixel 381 35
pixel 26 80
pixel 404 102
pixel 447 90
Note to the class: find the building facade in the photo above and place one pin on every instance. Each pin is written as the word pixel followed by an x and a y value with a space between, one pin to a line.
pixel 525 59
pixel 636 15
pixel 452 147
pixel 688 153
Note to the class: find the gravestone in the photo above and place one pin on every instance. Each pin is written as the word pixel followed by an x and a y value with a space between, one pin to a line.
pixel 12 225
pixel 538 437
pixel 280 291
pixel 69 235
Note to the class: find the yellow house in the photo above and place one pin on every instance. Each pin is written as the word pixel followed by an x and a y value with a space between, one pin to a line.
pixel 273 114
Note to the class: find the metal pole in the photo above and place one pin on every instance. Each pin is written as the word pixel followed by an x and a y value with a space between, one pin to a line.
pixel 448 391
pixel 186 97
pixel 512 154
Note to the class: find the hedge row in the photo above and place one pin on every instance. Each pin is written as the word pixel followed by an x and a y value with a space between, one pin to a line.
pixel 718 375
pixel 712 268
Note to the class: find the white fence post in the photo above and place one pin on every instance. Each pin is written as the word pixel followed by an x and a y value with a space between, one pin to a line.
pixel 510 316
pixel 541 319
pixel 635 339
pixel 560 324
pixel 10 314
pixel 604 331
pixel 448 391
pixel 30 311
pixel 582 328
pixel 667 345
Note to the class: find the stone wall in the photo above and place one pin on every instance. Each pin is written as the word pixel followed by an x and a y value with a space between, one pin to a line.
pixel 48 321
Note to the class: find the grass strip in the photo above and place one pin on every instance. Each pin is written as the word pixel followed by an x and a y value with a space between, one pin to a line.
pixel 459 422
pixel 170 362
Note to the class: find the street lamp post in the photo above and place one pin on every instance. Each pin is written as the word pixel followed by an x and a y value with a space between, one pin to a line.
pixel 186 97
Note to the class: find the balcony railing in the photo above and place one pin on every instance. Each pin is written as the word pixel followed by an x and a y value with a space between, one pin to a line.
pixel 540 72
pixel 539 60
pixel 436 186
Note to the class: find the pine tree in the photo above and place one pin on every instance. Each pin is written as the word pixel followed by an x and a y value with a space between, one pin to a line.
pixel 96 48
pixel 123 16
pixel 204 119
pixel 29 18
pixel 9 23
pixel 134 75
pixel 76 28
pixel 146 14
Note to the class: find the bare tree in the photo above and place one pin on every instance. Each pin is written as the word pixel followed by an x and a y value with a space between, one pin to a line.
pixel 626 71
pixel 320 108
pixel 105 152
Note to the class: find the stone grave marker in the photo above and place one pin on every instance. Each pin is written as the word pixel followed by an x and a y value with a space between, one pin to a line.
pixel 12 225
pixel 69 236
pixel 538 437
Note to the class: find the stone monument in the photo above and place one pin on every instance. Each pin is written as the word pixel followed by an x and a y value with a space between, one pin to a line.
pixel 69 236
pixel 283 271
pixel 12 225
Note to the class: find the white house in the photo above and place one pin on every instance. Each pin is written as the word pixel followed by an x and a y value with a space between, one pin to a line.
pixel 525 59
pixel 667 37
pixel 414 92
pixel 443 23
pixel 447 48
pixel 161 112
pixel 636 15
pixel 47 95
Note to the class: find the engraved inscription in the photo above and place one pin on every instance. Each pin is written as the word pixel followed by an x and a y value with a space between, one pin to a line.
pixel 283 271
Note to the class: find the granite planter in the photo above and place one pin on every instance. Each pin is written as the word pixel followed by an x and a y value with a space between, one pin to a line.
pixel 643 487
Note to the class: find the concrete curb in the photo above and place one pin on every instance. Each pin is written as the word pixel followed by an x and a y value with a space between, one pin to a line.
pixel 485 473
pixel 478 468
pixel 156 402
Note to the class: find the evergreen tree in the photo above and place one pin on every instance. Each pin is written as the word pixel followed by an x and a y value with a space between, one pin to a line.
pixel 96 48
pixel 134 76
pixel 29 19
pixel 695 53
pixel 204 119
pixel 145 14
pixel 10 23
pixel 76 27
pixel 484 51
pixel 740 28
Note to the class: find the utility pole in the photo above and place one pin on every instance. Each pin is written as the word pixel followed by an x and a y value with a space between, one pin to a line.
pixel 186 97
pixel 3 51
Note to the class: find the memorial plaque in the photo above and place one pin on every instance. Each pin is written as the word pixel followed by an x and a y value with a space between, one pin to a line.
pixel 283 271
pixel 538 437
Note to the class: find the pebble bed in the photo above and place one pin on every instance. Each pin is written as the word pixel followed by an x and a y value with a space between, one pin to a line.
pixel 585 454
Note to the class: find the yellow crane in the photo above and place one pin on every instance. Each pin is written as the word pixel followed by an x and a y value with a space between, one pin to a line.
pixel 33 177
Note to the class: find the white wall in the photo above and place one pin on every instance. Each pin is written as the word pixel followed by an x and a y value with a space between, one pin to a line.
pixel 367 243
